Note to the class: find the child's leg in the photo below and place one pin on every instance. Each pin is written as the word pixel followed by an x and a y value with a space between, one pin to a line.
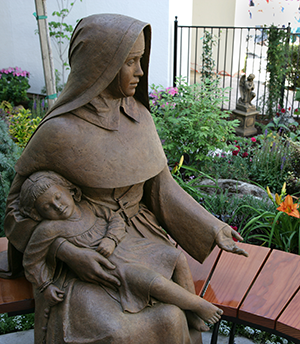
pixel 182 274
pixel 170 292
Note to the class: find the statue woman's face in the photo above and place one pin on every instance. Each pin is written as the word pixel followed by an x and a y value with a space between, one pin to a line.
pixel 127 79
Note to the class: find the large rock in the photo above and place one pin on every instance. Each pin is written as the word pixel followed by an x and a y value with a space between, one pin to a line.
pixel 232 187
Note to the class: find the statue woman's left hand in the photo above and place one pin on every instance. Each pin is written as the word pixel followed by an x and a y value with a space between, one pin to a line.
pixel 224 240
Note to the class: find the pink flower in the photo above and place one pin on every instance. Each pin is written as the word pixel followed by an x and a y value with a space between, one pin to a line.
pixel 296 110
pixel 172 90
pixel 283 110
pixel 253 139
pixel 244 155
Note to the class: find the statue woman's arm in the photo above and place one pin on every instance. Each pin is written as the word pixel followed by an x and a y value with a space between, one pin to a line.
pixel 86 263
pixel 194 228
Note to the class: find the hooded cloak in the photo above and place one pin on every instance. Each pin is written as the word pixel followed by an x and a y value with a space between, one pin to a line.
pixel 128 150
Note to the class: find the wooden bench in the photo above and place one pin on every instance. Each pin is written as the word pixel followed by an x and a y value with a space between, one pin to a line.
pixel 261 291
pixel 16 295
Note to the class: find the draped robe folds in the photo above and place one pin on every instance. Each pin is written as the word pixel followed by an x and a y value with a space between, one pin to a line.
pixel 98 159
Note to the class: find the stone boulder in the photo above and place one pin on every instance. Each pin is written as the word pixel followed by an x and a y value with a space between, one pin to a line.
pixel 232 186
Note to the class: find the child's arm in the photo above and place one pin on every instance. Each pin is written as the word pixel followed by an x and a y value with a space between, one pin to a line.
pixel 114 234
pixel 106 247
pixel 53 295
pixel 115 228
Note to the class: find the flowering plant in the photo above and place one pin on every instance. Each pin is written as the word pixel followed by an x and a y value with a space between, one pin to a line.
pixel 234 163
pixel 279 228
pixel 189 121
pixel 14 85
pixel 271 160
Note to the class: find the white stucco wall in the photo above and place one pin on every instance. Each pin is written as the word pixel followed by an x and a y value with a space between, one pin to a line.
pixel 20 46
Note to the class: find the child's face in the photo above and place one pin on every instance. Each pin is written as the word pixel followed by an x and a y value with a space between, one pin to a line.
pixel 56 203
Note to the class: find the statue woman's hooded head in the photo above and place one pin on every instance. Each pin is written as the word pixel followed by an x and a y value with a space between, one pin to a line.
pixel 99 47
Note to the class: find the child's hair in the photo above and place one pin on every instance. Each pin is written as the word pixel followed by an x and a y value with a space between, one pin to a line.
pixel 35 185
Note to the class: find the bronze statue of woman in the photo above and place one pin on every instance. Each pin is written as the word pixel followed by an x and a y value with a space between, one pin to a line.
pixel 100 136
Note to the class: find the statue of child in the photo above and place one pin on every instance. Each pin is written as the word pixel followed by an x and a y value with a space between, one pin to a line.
pixel 144 270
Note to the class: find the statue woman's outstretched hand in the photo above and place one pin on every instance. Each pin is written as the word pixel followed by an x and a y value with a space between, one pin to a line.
pixel 87 264
pixel 224 240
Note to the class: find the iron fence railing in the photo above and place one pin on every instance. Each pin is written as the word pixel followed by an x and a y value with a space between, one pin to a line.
pixel 235 51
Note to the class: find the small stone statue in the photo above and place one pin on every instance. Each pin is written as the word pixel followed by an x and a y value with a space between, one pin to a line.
pixel 246 89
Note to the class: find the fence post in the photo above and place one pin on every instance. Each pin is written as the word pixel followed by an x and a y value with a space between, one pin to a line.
pixel 287 44
pixel 175 51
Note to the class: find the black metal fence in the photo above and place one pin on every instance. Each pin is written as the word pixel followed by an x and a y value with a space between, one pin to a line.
pixel 234 51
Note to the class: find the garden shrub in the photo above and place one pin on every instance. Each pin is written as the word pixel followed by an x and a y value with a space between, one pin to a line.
pixel 271 161
pixel 14 85
pixel 9 154
pixel 189 120
pixel 16 323
pixel 276 68
pixel 22 125
pixel 293 75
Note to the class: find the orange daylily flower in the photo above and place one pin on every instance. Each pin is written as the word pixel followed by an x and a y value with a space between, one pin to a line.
pixel 288 207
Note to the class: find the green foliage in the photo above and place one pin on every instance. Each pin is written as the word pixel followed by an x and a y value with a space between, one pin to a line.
pixel 233 164
pixel 208 63
pixel 229 208
pixel 9 154
pixel 39 107
pixel 16 323
pixel 274 228
pixel 22 126
pixel 189 120
pixel 293 69
pixel 256 335
pixel 276 67
pixel 191 183
pixel 271 161
pixel 61 32
pixel 14 85
pixel 58 83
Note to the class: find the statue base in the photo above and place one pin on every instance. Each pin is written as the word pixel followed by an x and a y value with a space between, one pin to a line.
pixel 247 122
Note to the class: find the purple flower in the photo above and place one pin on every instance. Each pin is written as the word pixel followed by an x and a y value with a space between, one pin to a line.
pixel 273 146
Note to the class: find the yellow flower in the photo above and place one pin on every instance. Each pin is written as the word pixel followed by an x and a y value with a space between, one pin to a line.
pixel 289 207
pixel 277 199
pixel 269 194
pixel 181 161
pixel 283 190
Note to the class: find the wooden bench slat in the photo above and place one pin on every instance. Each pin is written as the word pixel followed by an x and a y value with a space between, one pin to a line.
pixel 233 276
pixel 201 272
pixel 289 321
pixel 15 294
pixel 276 284
pixel 3 244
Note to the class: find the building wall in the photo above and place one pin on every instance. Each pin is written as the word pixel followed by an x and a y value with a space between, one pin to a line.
pixel 214 12
pixel 21 47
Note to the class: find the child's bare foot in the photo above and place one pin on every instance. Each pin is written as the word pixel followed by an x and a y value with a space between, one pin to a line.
pixel 195 322
pixel 208 312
